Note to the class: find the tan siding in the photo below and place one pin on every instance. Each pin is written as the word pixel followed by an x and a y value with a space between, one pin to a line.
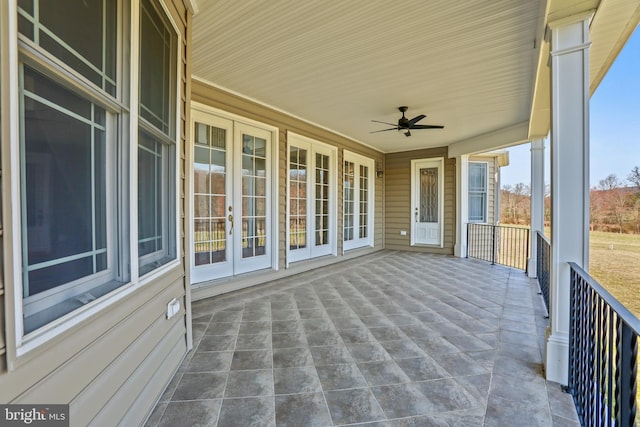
pixel 159 380
pixel 169 342
pixel 101 361
pixel 114 356
pixel 397 179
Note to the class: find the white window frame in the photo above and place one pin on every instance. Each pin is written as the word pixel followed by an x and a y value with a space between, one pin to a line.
pixel 476 192
pixel 359 160
pixel 173 137
pixel 16 49
pixel 313 147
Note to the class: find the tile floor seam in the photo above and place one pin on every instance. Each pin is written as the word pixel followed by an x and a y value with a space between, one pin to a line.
pixel 355 295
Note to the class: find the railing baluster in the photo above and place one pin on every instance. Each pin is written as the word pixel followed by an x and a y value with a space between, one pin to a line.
pixel 610 368
pixel 499 244
pixel 603 354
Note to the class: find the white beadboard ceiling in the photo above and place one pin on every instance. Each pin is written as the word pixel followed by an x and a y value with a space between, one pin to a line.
pixel 468 65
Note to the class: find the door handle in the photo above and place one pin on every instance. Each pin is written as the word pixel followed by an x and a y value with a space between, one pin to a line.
pixel 230 218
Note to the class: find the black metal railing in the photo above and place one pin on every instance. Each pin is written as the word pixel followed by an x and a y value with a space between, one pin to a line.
pixel 543 262
pixel 603 354
pixel 499 244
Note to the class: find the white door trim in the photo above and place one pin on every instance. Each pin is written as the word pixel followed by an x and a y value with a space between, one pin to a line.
pixel 272 183
pixel 415 165
pixel 313 147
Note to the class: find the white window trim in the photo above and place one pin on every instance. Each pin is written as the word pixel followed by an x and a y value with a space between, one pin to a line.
pixel 357 242
pixel 313 146
pixel 22 347
pixel 486 192
pixel 134 96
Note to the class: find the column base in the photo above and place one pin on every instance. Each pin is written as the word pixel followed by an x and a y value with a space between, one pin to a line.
pixel 556 362
pixel 532 268
pixel 460 251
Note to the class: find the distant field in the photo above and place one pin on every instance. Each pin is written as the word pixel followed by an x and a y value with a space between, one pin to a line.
pixel 614 262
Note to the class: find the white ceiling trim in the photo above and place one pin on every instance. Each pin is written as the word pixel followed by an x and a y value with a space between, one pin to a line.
pixel 279 110
pixel 509 136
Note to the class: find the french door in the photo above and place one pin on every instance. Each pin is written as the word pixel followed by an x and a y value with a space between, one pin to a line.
pixel 311 199
pixel 231 221
pixel 427 184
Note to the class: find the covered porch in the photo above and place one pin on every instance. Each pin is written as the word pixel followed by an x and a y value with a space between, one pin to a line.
pixel 388 339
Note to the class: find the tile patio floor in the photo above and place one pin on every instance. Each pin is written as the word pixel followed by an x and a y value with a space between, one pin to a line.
pixel 390 339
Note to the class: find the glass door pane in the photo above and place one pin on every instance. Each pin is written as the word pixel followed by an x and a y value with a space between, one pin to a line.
pixel 209 188
pixel 349 200
pixel 254 196
pixel 297 198
pixel 429 195
pixel 322 200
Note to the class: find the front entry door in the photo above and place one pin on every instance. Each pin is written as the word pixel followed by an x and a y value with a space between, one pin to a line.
pixel 231 200
pixel 427 212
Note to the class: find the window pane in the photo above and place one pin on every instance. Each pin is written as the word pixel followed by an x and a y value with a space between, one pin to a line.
pixel 88 46
pixel 477 207
pixel 477 192
pixel 64 155
pixel 150 195
pixel 156 157
pixel 157 65
pixel 65 204
pixel 477 176
pixel 156 220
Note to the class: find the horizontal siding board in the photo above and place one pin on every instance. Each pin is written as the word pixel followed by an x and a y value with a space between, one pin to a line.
pixel 96 358
pixel 50 356
pixel 147 401
pixel 135 384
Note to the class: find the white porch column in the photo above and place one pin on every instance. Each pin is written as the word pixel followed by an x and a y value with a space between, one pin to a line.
pixel 537 202
pixel 569 178
pixel 462 205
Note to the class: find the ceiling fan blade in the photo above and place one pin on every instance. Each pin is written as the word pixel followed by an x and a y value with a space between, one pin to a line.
pixel 426 127
pixel 416 119
pixel 390 124
pixel 384 130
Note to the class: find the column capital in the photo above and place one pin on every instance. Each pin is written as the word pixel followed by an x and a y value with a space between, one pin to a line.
pixel 569 34
pixel 537 145
pixel 587 16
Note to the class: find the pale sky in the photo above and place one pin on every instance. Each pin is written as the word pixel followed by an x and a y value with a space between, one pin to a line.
pixel 614 119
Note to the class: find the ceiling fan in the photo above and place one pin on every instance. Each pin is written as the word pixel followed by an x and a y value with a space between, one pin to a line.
pixel 406 124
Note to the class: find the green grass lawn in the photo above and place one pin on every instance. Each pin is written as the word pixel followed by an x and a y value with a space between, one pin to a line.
pixel 614 262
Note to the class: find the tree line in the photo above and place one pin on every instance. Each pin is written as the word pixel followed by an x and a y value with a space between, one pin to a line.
pixel 614 204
